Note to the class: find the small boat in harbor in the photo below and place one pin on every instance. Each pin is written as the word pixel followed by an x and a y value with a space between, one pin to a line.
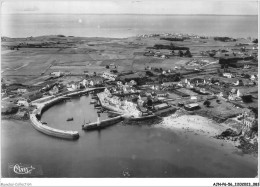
pixel 97 104
pixel 44 123
pixel 70 119
pixel 93 101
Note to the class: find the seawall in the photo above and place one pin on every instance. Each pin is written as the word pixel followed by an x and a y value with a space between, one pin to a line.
pixel 102 124
pixel 35 116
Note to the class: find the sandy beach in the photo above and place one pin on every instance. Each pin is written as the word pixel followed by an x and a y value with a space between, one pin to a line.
pixel 193 123
pixel 198 126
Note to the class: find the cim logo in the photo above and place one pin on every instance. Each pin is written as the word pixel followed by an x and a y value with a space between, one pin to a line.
pixel 19 169
pixel 24 170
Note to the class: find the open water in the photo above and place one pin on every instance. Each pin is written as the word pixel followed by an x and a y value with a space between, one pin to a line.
pixel 121 150
pixel 120 26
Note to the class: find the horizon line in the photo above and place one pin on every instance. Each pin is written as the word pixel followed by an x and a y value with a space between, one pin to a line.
pixel 130 14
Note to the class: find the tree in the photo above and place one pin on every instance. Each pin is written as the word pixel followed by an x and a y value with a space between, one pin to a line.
pixel 149 73
pixel 255 41
pixel 180 53
pixel 219 72
pixel 171 46
pixel 246 76
pixel 107 66
pixel 3 86
pixel 188 53
pixel 226 68
pixel 207 103
pixel 255 111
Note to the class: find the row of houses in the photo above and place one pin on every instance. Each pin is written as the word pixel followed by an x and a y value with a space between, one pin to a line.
pixel 252 77
pixel 72 86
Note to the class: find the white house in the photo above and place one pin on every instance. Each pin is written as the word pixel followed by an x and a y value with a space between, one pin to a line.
pixel 107 91
pixel 125 90
pixel 91 83
pixel 132 82
pixel 119 83
pixel 235 95
pixel 164 56
pixel 228 75
pixel 236 83
pixel 253 77
pixel 72 87
pixel 23 103
pixel 56 73
pixel 54 90
pixel 238 93
pixel 249 121
pixel 180 84
pixel 193 97
pixel 85 83
pixel 246 66
pixel 21 90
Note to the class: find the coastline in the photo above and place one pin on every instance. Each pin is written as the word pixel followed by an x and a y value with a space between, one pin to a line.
pixel 195 125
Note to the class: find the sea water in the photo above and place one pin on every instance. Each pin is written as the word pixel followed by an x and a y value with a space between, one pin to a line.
pixel 120 26
pixel 121 150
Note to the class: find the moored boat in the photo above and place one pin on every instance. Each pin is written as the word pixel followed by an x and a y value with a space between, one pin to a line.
pixel 93 101
pixel 70 119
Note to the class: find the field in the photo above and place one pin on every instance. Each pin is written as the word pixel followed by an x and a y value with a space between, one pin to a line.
pixel 77 55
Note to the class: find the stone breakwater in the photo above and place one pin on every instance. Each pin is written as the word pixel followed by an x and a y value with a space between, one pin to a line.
pixel 42 105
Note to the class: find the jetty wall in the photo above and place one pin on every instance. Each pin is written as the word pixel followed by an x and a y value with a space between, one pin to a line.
pixel 52 131
pixel 102 124
pixel 35 116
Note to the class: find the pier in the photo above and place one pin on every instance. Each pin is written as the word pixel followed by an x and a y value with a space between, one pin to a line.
pixel 103 123
pixel 43 104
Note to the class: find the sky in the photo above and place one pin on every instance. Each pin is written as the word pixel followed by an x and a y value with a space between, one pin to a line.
pixel 219 7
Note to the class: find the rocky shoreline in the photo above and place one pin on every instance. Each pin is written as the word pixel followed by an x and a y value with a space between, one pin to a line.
pixel 200 125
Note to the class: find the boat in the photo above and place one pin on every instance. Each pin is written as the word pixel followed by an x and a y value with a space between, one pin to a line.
pixel 70 119
pixel 44 123
pixel 93 101
pixel 97 105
